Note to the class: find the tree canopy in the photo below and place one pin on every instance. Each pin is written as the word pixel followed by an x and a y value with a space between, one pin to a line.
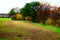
pixel 29 9
pixel 11 12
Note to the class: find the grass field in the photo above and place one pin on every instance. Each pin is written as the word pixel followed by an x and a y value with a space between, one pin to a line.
pixel 25 27
pixel 53 28
pixel 3 19
pixel 56 29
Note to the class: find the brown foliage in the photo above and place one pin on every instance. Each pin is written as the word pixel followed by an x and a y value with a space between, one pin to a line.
pixel 58 22
pixel 28 18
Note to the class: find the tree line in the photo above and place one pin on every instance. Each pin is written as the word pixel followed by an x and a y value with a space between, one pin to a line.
pixel 37 12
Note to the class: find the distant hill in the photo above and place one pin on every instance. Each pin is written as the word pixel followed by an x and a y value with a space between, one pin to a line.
pixel 3 15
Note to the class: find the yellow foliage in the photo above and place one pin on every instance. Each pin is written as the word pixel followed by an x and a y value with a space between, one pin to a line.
pixel 50 21
pixel 18 16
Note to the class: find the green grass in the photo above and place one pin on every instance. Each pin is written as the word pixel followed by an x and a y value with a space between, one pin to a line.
pixel 4 38
pixel 9 29
pixel 5 19
pixel 53 28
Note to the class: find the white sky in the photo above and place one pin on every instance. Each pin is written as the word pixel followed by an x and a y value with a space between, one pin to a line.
pixel 6 5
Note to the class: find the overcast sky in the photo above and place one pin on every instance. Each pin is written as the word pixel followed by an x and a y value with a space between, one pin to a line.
pixel 6 5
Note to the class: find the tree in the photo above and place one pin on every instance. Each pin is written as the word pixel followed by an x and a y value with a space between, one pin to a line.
pixel 11 12
pixel 42 13
pixel 45 12
pixel 23 12
pixel 29 9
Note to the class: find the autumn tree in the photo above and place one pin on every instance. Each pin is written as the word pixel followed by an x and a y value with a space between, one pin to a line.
pixel 42 13
pixel 19 16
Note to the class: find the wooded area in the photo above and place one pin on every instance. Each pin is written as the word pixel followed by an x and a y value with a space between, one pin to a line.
pixel 38 12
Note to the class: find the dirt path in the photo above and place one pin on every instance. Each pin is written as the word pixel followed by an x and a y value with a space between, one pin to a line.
pixel 28 31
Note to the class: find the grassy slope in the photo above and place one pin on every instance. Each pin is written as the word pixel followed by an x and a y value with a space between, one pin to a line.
pixel 41 25
pixel 56 29
pixel 3 20
pixel 53 28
